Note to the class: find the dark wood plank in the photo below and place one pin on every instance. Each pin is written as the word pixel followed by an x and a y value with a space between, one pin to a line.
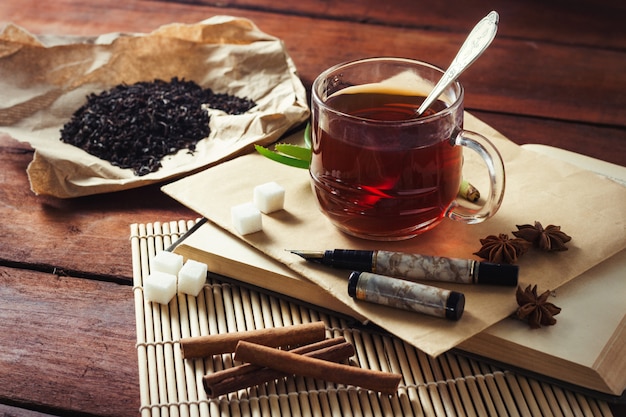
pixel 515 76
pixel 73 349
pixel 564 22
pixel 67 345
pixel 601 142
pixel 86 236
pixel 9 411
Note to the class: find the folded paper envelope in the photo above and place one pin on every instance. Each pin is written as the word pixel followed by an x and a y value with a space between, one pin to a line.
pixel 538 188
pixel 45 79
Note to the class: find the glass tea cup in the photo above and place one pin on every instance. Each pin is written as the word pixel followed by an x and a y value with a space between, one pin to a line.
pixel 380 172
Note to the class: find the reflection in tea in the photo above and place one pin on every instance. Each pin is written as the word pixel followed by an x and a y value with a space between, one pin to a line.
pixel 387 180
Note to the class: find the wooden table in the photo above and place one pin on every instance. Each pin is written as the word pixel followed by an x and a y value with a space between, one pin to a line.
pixel 555 75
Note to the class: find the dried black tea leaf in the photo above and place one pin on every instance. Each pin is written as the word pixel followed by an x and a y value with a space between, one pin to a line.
pixel 135 126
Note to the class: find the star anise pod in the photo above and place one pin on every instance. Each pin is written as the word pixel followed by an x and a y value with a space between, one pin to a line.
pixel 535 309
pixel 549 239
pixel 501 249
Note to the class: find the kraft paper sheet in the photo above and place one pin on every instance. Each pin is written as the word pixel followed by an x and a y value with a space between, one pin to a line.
pixel 45 79
pixel 588 207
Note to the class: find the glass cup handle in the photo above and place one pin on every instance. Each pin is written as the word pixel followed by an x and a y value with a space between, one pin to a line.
pixel 495 168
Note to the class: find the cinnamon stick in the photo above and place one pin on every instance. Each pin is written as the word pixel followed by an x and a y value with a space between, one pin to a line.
pixel 243 376
pixel 298 334
pixel 292 363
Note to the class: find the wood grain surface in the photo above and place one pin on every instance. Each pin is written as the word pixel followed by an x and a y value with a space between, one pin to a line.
pixel 555 75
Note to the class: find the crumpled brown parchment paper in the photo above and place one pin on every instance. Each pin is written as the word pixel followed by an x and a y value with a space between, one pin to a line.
pixel 44 79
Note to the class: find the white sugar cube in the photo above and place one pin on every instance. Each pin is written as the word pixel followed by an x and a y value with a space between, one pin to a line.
pixel 246 218
pixel 191 277
pixel 160 287
pixel 165 261
pixel 269 197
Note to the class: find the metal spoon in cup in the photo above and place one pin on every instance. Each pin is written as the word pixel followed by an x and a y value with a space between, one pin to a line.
pixel 477 41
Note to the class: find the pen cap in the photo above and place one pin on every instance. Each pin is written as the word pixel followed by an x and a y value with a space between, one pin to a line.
pixel 353 280
pixel 406 295
pixel 497 274
pixel 455 305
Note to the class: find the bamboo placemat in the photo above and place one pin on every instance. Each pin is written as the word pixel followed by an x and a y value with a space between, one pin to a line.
pixel 449 385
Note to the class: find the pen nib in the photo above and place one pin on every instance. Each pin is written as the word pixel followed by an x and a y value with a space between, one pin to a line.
pixel 308 255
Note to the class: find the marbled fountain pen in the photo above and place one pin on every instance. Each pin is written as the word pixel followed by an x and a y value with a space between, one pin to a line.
pixel 416 267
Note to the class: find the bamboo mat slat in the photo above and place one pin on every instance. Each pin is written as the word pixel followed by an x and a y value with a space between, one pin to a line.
pixel 449 385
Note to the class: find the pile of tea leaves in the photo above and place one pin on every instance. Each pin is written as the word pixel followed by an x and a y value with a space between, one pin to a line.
pixel 135 126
